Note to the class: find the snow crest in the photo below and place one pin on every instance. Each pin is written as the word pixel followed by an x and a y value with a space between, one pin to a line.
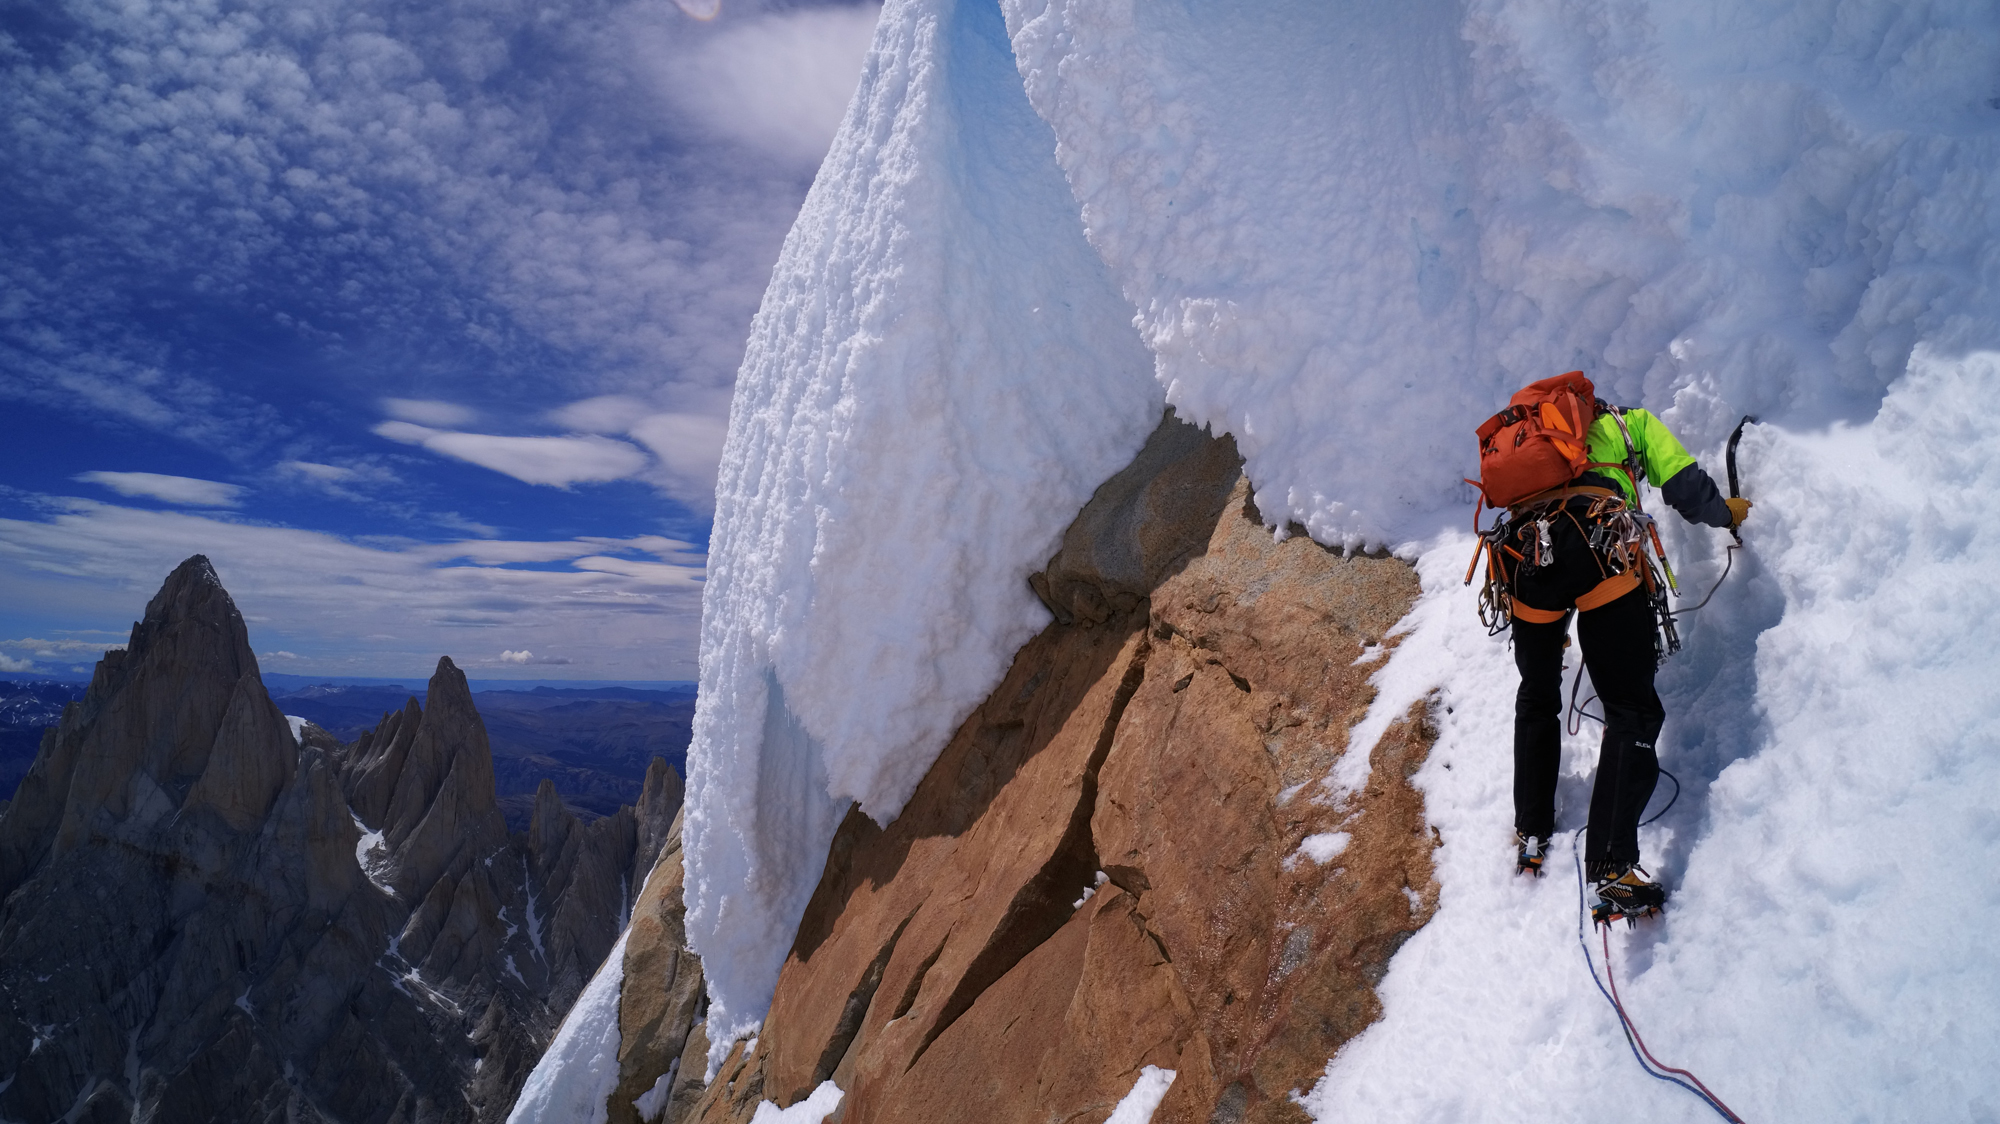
pixel 940 375
pixel 1351 229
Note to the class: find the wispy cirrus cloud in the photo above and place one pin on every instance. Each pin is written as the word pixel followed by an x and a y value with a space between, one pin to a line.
pixel 185 490
pixel 429 411
pixel 555 461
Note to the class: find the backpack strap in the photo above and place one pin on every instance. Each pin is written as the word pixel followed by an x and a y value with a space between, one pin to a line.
pixel 1632 467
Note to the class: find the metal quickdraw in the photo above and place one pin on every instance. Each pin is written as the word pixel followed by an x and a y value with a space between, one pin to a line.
pixel 1496 601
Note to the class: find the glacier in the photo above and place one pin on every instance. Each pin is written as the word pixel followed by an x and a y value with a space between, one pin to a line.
pixel 1342 232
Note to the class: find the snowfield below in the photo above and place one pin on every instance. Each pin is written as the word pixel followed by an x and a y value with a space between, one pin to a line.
pixel 1824 956
pixel 1344 232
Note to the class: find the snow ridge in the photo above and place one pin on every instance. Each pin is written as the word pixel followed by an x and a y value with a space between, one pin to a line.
pixel 940 375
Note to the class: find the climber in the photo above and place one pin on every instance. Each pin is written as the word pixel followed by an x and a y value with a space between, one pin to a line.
pixel 1573 546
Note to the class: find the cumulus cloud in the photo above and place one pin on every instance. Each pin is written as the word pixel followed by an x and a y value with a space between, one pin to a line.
pixel 619 608
pixel 779 83
pixel 555 461
pixel 184 490
pixel 427 411
pixel 524 656
pixel 10 664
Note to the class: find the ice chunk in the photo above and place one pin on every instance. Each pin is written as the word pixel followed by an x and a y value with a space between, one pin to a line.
pixel 813 1110
pixel 1324 847
pixel 1138 1106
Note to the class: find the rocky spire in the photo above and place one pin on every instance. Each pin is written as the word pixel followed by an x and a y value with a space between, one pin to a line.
pixel 443 814
pixel 127 757
pixel 186 917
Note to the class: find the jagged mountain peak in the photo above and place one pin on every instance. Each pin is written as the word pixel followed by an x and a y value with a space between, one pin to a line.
pixel 177 722
pixel 193 924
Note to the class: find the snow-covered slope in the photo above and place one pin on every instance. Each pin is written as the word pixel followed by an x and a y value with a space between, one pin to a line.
pixel 1344 231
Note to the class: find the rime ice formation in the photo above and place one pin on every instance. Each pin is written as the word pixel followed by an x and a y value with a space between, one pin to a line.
pixel 940 374
pixel 1343 231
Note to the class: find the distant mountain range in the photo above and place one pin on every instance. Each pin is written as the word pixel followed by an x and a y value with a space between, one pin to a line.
pixel 594 743
pixel 26 709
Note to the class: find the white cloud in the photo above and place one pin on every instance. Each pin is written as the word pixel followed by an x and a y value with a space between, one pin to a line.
pixel 184 490
pixel 688 445
pixel 622 608
pixel 608 413
pixel 427 411
pixel 524 656
pixel 339 477
pixel 555 461
pixel 280 655
pixel 474 188
pixel 60 649
pixel 780 83
pixel 8 663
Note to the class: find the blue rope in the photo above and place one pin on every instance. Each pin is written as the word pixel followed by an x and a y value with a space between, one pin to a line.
pixel 1624 1024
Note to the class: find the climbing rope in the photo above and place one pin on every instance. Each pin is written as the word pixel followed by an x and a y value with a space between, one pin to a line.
pixel 1729 559
pixel 1640 1053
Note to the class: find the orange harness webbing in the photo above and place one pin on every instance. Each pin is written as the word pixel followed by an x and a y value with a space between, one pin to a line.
pixel 1605 592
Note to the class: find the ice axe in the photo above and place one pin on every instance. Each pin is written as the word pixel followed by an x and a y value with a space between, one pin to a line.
pixel 1735 490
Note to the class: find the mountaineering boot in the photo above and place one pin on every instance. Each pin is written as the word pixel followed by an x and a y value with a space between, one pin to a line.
pixel 1531 850
pixel 1625 891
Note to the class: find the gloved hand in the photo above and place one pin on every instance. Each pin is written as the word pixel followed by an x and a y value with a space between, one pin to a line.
pixel 1738 508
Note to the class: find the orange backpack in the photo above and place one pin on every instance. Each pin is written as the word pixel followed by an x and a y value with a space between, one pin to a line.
pixel 1537 442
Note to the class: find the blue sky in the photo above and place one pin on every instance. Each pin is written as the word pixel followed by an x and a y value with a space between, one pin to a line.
pixel 420 320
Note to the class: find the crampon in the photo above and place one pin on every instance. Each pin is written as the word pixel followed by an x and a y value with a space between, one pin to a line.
pixel 1531 850
pixel 1627 894
pixel 1604 913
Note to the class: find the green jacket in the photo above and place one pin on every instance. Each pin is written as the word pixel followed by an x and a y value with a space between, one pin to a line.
pixel 1663 461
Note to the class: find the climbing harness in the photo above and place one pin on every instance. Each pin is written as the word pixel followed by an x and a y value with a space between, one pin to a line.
pixel 1653 1066
pixel 1624 537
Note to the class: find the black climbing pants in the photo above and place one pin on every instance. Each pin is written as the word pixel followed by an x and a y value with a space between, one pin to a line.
pixel 1617 641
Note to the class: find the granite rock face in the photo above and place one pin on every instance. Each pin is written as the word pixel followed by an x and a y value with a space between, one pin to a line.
pixel 1104 868
pixel 202 918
